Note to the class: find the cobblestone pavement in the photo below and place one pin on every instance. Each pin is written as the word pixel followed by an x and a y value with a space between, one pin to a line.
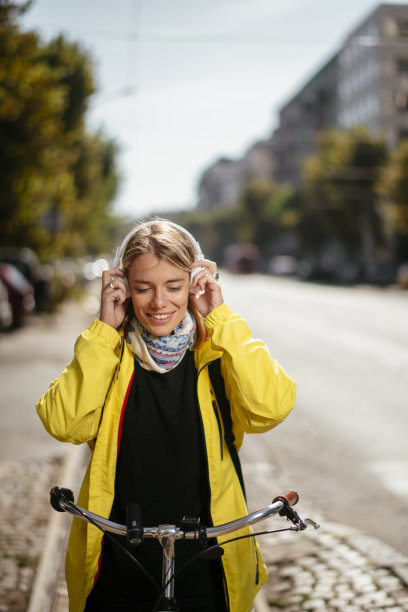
pixel 335 569
pixel 25 513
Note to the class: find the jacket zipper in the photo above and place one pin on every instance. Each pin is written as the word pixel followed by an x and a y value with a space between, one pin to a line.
pixel 217 416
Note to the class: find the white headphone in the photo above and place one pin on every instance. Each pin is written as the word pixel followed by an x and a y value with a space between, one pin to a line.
pixel 117 262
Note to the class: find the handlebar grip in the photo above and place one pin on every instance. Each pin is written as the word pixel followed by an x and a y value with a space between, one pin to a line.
pixel 290 496
pixel 58 493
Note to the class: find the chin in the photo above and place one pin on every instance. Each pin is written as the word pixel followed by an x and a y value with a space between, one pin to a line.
pixel 158 329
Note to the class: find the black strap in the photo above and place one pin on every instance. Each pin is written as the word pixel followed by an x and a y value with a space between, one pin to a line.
pixel 218 385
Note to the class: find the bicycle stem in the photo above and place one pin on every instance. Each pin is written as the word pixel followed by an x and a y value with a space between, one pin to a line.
pixel 167 536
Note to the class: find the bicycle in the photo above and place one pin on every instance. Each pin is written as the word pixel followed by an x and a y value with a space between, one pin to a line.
pixel 62 500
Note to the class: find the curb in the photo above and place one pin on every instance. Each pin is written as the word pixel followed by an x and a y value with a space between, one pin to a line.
pixel 46 576
pixel 260 603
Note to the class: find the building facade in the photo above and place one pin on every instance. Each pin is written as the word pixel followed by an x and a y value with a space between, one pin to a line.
pixel 222 183
pixel 365 83
pixel 301 120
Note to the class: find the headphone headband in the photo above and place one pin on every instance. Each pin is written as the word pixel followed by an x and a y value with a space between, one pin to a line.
pixel 121 249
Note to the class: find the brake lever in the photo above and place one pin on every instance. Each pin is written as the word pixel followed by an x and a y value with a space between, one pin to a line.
pixel 309 521
pixel 292 516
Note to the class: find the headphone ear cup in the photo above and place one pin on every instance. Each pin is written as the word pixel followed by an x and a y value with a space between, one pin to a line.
pixel 193 274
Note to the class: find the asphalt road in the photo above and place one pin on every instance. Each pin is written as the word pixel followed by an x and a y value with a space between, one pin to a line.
pixel 344 447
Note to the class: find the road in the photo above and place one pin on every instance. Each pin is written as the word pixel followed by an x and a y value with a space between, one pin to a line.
pixel 344 446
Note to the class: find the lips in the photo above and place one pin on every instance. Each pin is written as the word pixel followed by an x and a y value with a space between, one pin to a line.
pixel 159 318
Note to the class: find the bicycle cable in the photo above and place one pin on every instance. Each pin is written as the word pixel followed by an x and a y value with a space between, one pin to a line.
pixel 202 553
pixel 112 539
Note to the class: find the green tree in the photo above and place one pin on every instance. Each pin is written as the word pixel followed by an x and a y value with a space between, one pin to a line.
pixel 339 200
pixel 393 187
pixel 56 180
pixel 267 212
pixel 265 215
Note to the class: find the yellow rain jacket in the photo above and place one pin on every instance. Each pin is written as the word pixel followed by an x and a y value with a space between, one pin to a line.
pixel 85 404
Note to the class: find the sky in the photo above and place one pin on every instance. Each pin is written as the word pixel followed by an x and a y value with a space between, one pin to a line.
pixel 181 83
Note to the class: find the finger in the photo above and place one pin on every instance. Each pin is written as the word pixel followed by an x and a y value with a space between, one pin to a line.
pixel 113 278
pixel 204 281
pixel 213 269
pixel 115 289
pixel 112 273
pixel 204 267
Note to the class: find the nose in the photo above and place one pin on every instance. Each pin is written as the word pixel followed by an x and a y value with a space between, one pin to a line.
pixel 158 300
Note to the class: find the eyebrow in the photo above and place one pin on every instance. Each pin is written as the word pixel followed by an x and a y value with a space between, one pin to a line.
pixel 145 282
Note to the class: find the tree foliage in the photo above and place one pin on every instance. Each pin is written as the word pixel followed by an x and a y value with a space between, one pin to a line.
pixel 393 187
pixel 57 181
pixel 339 199
pixel 263 213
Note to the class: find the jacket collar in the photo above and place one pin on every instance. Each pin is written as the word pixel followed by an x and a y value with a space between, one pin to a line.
pixel 204 354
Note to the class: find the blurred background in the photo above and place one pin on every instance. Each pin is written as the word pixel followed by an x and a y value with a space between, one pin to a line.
pixel 281 127
pixel 277 133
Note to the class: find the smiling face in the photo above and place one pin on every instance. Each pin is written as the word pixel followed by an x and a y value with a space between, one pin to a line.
pixel 159 293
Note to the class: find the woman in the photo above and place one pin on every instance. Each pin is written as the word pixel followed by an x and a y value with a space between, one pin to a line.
pixel 139 392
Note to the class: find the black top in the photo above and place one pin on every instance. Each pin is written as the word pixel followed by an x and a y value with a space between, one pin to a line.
pixel 162 466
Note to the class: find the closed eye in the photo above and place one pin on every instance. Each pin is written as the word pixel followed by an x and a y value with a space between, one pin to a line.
pixel 141 289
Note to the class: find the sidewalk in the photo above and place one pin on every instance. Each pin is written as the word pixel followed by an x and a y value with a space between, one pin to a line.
pixel 334 569
pixel 25 514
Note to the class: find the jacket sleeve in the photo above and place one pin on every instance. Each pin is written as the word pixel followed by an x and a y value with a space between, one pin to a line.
pixel 71 408
pixel 260 392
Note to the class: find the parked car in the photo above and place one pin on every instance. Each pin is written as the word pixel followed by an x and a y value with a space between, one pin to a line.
pixel 242 258
pixel 6 313
pixel 283 265
pixel 20 293
pixel 39 276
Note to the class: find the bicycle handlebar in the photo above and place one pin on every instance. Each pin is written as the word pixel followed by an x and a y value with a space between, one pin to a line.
pixel 63 500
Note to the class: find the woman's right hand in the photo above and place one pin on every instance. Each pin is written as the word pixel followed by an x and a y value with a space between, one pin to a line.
pixel 114 297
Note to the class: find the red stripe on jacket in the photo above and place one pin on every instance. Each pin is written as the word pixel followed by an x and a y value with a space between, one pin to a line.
pixel 122 414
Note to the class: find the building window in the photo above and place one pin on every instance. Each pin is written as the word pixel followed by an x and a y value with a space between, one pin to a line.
pixel 401 101
pixel 403 67
pixel 403 28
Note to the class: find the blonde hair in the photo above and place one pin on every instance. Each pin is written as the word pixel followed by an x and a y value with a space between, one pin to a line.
pixel 170 243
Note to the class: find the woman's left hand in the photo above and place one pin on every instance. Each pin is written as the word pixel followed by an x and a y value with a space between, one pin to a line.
pixel 206 290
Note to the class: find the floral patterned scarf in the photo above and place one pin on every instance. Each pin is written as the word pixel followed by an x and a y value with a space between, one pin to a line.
pixel 161 353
